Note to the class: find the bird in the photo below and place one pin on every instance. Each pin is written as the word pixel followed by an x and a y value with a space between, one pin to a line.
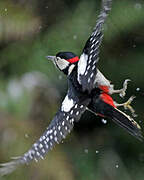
pixel 88 89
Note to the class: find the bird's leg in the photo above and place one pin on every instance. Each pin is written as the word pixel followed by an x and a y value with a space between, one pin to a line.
pixel 122 91
pixel 127 105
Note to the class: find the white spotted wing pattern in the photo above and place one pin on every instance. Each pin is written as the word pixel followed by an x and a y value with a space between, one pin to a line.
pixel 87 66
pixel 62 124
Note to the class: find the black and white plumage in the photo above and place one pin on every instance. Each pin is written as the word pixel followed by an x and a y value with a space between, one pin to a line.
pixel 71 110
pixel 98 106
pixel 87 66
pixel 88 89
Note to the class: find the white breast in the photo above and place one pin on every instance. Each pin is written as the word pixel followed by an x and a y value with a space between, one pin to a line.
pixel 100 80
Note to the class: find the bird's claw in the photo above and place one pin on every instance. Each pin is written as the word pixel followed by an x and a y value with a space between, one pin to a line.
pixel 128 106
pixel 122 94
pixel 123 90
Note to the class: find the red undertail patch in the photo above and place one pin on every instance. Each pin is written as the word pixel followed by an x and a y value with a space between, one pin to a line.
pixel 104 88
pixel 107 99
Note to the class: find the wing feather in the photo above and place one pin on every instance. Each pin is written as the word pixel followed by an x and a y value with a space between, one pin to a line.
pixel 87 66
pixel 58 129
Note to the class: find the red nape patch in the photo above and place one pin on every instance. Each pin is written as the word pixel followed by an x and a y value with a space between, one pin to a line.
pixel 104 88
pixel 73 60
pixel 107 99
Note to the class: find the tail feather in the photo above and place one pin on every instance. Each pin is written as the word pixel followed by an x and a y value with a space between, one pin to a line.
pixel 98 106
pixel 127 123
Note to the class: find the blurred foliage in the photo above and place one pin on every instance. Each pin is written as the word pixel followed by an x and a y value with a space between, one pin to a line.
pixel 124 20
pixel 31 88
pixel 16 22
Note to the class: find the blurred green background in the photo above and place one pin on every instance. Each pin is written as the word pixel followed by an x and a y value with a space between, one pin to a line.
pixel 31 88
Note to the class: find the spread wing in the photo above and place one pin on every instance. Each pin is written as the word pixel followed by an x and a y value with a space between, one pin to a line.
pixel 87 66
pixel 70 111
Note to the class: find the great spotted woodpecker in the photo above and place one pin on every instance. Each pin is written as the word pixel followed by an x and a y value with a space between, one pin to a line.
pixel 88 89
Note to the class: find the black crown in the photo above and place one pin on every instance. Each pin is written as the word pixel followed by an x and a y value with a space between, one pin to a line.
pixel 65 55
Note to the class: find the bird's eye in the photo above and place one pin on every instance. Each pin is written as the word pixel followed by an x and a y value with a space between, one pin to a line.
pixel 58 58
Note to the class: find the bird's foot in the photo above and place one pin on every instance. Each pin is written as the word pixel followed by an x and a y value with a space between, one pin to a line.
pixel 127 105
pixel 121 92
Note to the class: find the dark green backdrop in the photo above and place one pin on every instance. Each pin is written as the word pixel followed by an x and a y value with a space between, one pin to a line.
pixel 31 88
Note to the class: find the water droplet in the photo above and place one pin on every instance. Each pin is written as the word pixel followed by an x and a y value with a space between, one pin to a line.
pixel 97 151
pixel 60 77
pixel 137 89
pixel 104 121
pixel 5 9
pixel 74 36
pixel 86 151
pixel 26 136
pixel 117 166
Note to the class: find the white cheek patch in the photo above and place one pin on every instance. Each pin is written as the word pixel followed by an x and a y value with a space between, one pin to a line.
pixel 62 64
pixel 82 64
pixel 67 104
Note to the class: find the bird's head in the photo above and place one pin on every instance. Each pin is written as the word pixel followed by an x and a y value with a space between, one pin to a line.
pixel 65 61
